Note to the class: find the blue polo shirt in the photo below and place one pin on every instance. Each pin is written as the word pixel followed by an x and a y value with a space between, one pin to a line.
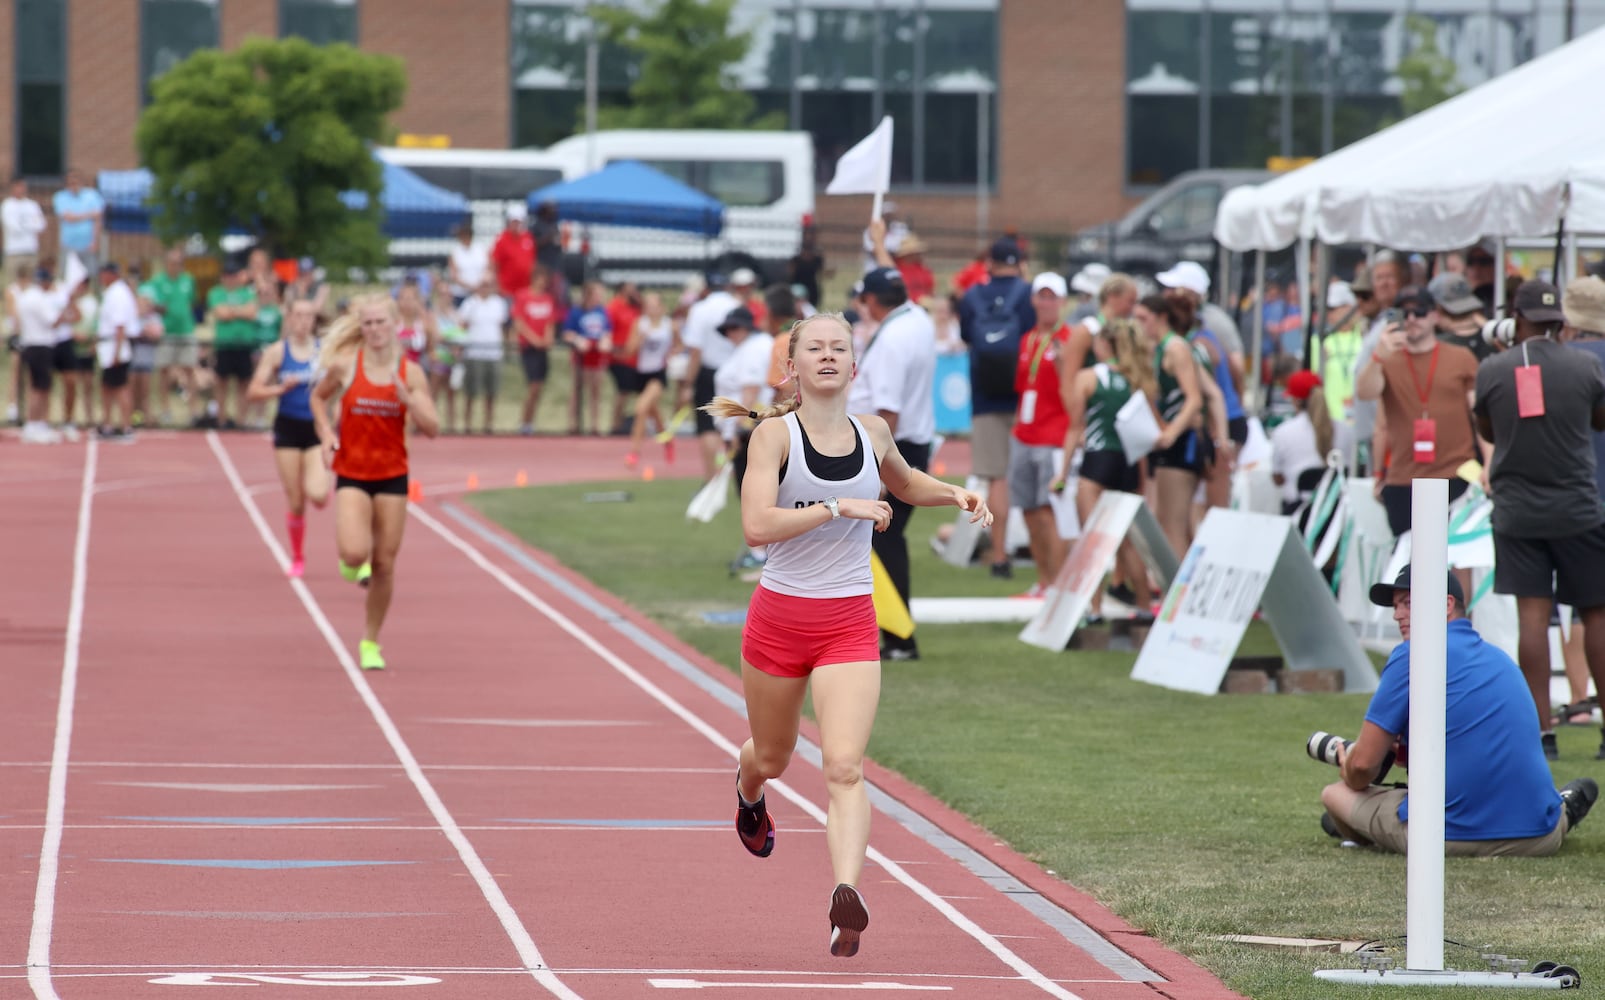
pixel 78 235
pixel 1497 785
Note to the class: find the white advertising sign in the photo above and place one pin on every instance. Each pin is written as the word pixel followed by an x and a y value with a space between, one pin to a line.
pixel 1089 562
pixel 1240 561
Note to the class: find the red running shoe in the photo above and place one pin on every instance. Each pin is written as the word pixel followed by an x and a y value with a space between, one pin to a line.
pixel 848 918
pixel 754 825
pixel 668 451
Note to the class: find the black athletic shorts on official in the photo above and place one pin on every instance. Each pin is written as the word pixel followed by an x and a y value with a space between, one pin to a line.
pixel 40 362
pixel 65 356
pixel 1570 569
pixel 1110 470
pixel 291 432
pixel 394 486
pixel 116 376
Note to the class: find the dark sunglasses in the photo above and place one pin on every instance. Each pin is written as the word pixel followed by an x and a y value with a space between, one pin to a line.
pixel 1417 313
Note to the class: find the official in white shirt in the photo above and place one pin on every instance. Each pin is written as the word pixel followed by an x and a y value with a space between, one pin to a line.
pixel 38 309
pixel 706 349
pixel 895 379
pixel 116 328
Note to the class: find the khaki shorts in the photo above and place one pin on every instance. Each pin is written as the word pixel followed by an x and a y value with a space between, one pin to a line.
pixel 989 445
pixel 25 262
pixel 182 353
pixel 1376 818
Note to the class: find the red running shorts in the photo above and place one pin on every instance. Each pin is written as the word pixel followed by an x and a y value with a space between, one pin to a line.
pixel 789 636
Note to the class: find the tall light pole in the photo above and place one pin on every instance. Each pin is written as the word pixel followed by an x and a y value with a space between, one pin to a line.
pixel 593 50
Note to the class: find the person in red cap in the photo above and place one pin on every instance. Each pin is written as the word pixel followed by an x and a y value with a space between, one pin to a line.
pixel 1300 444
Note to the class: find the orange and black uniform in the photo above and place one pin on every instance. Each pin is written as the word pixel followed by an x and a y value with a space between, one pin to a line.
pixel 372 456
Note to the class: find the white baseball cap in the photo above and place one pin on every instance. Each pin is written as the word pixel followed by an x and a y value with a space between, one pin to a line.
pixel 743 276
pixel 1050 281
pixel 1090 279
pixel 1188 275
pixel 517 210
pixel 1339 295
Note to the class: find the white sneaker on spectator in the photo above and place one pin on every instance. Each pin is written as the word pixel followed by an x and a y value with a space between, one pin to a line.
pixel 70 433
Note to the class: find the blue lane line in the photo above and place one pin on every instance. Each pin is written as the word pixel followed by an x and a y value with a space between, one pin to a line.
pixel 255 820
pixel 265 864
pixel 624 824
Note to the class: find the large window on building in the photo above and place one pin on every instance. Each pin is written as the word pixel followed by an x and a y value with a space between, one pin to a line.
pixel 170 30
pixel 1234 83
pixel 828 67
pixel 320 22
pixel 40 36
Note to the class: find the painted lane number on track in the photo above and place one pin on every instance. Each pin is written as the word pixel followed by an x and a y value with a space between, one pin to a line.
pixel 293 979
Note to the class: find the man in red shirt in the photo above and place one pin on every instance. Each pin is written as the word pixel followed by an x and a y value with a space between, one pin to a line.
pixel 1041 424
pixel 622 312
pixel 535 321
pixel 910 257
pixel 514 254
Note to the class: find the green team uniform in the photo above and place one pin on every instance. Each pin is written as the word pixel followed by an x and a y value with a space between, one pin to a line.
pixel 1171 397
pixel 1112 392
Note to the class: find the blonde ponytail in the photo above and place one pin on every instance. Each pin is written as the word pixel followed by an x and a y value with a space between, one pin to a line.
pixel 724 406
pixel 1321 419
pixel 345 333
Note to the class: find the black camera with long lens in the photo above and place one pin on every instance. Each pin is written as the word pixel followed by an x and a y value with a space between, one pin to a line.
pixel 1323 747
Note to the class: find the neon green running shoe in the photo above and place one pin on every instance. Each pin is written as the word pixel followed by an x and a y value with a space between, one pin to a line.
pixel 357 574
pixel 368 655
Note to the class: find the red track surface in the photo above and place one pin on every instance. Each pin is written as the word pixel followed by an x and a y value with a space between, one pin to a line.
pixel 590 779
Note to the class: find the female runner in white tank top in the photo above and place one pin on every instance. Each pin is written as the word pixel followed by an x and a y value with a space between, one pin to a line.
pixel 812 495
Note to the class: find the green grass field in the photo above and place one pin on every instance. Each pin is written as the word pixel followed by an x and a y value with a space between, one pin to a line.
pixel 1191 817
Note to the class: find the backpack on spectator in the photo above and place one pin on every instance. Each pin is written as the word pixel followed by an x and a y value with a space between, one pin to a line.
pixel 995 345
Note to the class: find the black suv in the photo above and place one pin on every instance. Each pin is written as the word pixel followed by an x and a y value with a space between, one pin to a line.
pixel 1177 222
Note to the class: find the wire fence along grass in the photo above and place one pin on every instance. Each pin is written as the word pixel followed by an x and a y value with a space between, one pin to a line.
pixel 1192 817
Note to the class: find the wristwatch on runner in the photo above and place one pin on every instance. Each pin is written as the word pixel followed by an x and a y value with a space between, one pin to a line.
pixel 834 506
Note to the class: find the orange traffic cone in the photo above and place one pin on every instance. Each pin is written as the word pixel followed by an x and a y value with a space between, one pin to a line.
pixel 473 480
pixel 647 474
pixel 522 479
pixel 415 490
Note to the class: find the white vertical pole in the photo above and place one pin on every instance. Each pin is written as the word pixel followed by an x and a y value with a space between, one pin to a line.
pixel 1429 572
pixel 983 157
pixel 1499 275
pixel 1257 349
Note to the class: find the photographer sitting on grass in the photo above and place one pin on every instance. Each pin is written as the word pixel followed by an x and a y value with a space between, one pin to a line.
pixel 1498 798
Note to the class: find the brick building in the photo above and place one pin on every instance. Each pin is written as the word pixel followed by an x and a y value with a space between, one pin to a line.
pixel 1081 105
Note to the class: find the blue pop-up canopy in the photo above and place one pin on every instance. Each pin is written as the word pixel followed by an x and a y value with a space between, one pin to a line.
pixel 413 207
pixel 628 193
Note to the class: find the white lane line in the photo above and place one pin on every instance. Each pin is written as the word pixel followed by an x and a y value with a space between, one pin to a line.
pixel 721 830
pixel 44 896
pixel 488 887
pixel 942 906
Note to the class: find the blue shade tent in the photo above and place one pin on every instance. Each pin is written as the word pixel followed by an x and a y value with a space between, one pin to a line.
pixel 628 193
pixel 413 208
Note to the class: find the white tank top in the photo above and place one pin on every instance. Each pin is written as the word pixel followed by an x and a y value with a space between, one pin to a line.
pixel 656 339
pixel 832 560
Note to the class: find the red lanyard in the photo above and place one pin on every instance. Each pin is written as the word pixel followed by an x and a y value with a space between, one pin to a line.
pixel 1432 369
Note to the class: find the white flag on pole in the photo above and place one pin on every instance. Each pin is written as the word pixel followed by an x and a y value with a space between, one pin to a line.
pixel 76 272
pixel 867 167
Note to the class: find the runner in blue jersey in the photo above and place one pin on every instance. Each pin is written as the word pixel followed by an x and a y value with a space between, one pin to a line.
pixel 287 371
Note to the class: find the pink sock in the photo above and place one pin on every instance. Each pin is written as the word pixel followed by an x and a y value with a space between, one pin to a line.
pixel 298 531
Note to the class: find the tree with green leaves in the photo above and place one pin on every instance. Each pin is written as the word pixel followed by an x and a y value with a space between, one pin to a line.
pixel 1429 77
pixel 266 139
pixel 684 53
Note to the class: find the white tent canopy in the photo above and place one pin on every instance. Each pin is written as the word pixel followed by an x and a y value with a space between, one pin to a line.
pixel 1497 160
